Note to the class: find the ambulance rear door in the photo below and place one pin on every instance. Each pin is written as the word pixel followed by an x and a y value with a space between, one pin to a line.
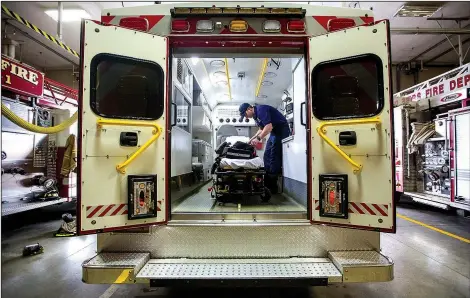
pixel 122 146
pixel 351 158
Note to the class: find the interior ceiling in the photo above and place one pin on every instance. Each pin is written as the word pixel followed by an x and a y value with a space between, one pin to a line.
pixel 277 78
pixel 404 47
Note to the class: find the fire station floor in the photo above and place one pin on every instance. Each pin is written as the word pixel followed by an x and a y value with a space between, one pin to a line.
pixel 428 263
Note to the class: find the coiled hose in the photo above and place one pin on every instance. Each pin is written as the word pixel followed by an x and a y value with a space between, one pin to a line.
pixel 34 128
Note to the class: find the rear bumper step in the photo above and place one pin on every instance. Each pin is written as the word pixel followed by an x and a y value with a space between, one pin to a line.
pixel 351 266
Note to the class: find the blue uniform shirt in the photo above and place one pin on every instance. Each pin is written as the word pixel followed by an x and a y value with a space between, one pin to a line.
pixel 265 115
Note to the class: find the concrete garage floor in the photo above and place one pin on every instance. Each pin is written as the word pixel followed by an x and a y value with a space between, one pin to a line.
pixel 427 263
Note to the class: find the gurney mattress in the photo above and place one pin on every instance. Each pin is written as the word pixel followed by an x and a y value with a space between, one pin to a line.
pixel 249 164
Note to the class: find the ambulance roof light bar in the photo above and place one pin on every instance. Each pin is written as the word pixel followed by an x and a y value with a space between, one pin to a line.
pixel 237 11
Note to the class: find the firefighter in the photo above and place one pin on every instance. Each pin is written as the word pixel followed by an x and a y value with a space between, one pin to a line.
pixel 270 121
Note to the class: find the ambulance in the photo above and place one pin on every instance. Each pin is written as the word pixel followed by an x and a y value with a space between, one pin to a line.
pixel 158 81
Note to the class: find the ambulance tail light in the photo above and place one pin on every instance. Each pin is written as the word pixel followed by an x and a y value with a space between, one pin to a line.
pixel 136 23
pixel 238 26
pixel 180 26
pixel 205 26
pixel 296 26
pixel 271 26
pixel 339 24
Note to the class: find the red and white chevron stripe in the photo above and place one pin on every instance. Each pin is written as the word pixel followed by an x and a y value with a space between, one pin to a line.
pixel 363 208
pixel 111 210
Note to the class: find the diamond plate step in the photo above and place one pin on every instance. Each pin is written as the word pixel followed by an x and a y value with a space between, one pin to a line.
pixel 363 266
pixel 17 207
pixel 109 268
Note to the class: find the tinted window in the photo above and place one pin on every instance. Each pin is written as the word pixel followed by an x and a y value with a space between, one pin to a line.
pixel 348 88
pixel 126 88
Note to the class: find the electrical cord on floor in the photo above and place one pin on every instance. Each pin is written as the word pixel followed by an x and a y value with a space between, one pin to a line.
pixel 34 128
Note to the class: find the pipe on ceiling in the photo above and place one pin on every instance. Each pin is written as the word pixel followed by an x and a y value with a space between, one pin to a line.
pixel 429 31
pixel 60 9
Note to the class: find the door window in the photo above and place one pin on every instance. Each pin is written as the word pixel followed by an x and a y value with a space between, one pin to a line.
pixel 128 88
pixel 348 88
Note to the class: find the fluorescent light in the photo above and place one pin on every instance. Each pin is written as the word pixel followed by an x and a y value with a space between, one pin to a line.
pixel 194 60
pixel 68 15
pixel 417 9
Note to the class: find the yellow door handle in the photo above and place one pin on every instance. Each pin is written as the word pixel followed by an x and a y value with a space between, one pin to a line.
pixel 121 168
pixel 321 130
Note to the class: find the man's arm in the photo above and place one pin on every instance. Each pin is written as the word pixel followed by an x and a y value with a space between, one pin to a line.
pixel 266 130
pixel 256 134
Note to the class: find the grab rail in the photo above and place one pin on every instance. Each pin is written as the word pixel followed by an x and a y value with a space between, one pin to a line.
pixel 121 168
pixel 321 130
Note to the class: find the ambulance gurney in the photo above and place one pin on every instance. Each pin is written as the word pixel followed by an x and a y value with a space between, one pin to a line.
pixel 238 172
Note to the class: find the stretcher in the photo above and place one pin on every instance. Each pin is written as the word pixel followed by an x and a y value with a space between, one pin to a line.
pixel 238 178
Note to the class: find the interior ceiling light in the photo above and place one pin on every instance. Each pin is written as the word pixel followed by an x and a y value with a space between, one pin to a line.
pixel 219 74
pixel 267 83
pixel 194 60
pixel 418 9
pixel 222 83
pixel 270 75
pixel 68 15
pixel 217 63
pixel 262 96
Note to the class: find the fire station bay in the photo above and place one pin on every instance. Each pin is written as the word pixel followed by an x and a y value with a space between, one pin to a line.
pixel 235 149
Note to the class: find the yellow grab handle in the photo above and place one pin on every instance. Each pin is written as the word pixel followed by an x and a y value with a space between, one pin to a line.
pixel 121 168
pixel 321 130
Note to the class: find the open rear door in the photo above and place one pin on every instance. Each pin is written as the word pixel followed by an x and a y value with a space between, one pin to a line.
pixel 351 158
pixel 122 124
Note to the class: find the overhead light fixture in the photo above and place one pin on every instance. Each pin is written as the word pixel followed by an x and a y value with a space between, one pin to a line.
pixel 194 60
pixel 68 15
pixel 416 9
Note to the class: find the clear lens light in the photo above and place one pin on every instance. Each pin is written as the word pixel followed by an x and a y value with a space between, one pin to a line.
pixel 194 60
pixel 272 26
pixel 205 26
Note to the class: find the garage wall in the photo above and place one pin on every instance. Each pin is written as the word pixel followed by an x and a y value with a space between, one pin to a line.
pixel 407 81
pixel 65 77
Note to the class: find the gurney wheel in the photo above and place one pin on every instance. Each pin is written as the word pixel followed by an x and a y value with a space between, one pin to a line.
pixel 267 195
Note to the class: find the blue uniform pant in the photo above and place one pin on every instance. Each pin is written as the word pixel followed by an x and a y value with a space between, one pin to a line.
pixel 273 150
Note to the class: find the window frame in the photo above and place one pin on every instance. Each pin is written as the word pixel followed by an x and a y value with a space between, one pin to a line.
pixel 101 57
pixel 349 60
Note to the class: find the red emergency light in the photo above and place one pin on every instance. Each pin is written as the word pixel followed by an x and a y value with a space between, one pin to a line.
pixel 136 23
pixel 340 23
pixel 180 26
pixel 297 26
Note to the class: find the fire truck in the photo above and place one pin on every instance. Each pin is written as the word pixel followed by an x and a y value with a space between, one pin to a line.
pixel 158 81
pixel 32 159
pixel 432 140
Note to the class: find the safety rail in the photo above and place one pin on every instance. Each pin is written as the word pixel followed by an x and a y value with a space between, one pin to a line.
pixel 121 168
pixel 59 93
pixel 321 130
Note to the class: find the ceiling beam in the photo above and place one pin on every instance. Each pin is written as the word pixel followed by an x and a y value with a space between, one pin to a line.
pixel 429 31
pixel 40 40
pixel 445 52
pixel 433 46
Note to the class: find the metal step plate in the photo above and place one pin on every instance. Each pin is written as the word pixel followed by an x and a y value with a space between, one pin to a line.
pixel 12 207
pixel 363 266
pixel 109 268
pixel 240 272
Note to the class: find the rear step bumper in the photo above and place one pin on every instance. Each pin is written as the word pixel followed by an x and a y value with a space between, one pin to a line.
pixel 130 268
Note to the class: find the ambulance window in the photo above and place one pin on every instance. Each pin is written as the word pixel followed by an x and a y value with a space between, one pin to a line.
pixel 348 88
pixel 123 87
